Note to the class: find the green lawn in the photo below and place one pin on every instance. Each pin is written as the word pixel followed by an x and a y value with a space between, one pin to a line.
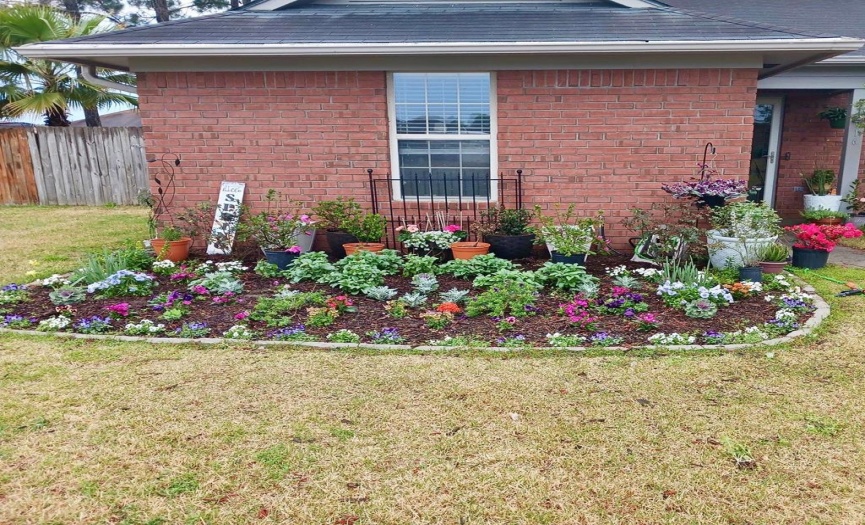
pixel 37 241
pixel 130 433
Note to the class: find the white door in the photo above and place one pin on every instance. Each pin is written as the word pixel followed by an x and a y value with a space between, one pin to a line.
pixel 765 149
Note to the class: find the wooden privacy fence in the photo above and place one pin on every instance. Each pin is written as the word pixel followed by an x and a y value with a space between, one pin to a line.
pixel 77 166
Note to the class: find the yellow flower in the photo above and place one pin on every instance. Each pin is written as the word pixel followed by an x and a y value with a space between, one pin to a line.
pixel 30 273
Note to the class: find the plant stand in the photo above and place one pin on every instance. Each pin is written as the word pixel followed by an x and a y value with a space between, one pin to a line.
pixel 811 259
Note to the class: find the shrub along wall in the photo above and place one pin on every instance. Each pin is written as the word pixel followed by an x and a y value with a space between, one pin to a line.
pixel 603 139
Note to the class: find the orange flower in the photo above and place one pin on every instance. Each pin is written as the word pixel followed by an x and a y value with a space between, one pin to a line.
pixel 451 308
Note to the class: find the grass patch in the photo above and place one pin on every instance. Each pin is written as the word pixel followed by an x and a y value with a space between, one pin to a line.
pixel 110 432
pixel 37 241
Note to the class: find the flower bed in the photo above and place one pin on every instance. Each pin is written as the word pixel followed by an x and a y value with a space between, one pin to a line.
pixel 410 300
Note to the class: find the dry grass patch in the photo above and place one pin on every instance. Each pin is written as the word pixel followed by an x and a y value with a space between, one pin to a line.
pixel 132 433
pixel 53 239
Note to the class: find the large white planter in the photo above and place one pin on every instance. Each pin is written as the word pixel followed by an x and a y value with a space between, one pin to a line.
pixel 727 251
pixel 305 240
pixel 823 202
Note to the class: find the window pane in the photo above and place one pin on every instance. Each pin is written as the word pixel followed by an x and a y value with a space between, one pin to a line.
pixel 411 119
pixel 475 120
pixel 475 88
pixel 442 89
pixel 451 103
pixel 440 168
pixel 410 88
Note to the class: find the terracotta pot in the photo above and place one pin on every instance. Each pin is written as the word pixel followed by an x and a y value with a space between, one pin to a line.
pixel 174 251
pixel 467 250
pixel 770 267
pixel 353 247
pixel 829 221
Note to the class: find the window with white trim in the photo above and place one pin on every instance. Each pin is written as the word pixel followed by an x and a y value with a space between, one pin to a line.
pixel 441 129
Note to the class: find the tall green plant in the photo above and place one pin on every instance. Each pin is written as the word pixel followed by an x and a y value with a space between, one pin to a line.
pixel 45 87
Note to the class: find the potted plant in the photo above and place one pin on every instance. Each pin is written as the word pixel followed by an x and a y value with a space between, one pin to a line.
pixel 836 116
pixel 368 229
pixel 821 216
pixel 568 238
pixel 741 231
pixel 707 191
pixel 814 242
pixel 278 230
pixel 435 243
pixel 855 204
pixel 334 215
pixel 463 249
pixel 774 258
pixel 507 232
pixel 171 243
pixel 822 191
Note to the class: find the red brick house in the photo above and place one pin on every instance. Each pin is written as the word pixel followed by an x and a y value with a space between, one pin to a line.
pixel 597 102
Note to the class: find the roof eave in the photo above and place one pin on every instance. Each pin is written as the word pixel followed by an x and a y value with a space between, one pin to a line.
pixel 94 52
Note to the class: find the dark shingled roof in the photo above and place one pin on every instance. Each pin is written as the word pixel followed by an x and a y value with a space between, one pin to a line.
pixel 839 17
pixel 425 23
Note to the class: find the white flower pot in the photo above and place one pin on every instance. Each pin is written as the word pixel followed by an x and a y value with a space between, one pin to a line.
pixel 823 202
pixel 305 241
pixel 727 251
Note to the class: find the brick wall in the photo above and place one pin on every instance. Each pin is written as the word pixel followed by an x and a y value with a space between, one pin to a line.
pixel 810 143
pixel 607 139
pixel 312 133
pixel 604 139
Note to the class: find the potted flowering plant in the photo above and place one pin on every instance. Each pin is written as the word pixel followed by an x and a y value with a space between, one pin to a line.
pixel 741 231
pixel 707 191
pixel 855 204
pixel 815 241
pixel 431 242
pixel 507 231
pixel 281 233
pixel 368 228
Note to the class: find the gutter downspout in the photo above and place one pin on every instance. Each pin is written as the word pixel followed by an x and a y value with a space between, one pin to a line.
pixel 89 74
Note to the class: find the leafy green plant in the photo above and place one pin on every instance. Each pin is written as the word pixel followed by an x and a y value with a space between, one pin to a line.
pixel 454 296
pixel 686 273
pixel 310 266
pixel 388 262
pixel 367 227
pixel 278 227
pixel 175 313
pixel 739 452
pixel 68 295
pixel 99 265
pixel 425 283
pixel 320 316
pixel 820 181
pixel 343 336
pixel 280 310
pixel 413 299
pixel 479 265
pixel 775 252
pixel 667 230
pixel 266 269
pixel 218 283
pixel 504 221
pixel 568 277
pixel 355 276
pixel 820 213
pixel 701 309
pixel 833 113
pixel 513 297
pixel 380 293
pixel 334 214
pixel 505 276
pixel 415 264
pixel 567 233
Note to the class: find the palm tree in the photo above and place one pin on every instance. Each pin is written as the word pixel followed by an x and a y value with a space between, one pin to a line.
pixel 46 87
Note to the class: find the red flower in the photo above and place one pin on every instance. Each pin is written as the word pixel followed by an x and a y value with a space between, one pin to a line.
pixel 821 237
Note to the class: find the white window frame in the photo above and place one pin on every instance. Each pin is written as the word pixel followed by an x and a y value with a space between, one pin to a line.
pixel 394 139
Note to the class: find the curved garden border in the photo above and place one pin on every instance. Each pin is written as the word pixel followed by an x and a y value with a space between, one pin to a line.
pixel 821 312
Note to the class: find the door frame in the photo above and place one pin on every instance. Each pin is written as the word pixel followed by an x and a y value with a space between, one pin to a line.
pixel 771 177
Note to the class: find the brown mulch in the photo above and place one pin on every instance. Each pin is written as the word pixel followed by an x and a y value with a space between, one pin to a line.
pixel 371 314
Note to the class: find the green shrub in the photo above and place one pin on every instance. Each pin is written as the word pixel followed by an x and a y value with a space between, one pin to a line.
pixel 568 277
pixel 479 265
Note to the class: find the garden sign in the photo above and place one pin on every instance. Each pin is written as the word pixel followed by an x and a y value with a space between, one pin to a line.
pixel 226 218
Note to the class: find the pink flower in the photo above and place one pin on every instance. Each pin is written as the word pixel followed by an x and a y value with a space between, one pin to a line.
pixel 121 309
pixel 412 228
pixel 452 228
pixel 399 228
pixel 240 316
pixel 200 290
pixel 294 249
